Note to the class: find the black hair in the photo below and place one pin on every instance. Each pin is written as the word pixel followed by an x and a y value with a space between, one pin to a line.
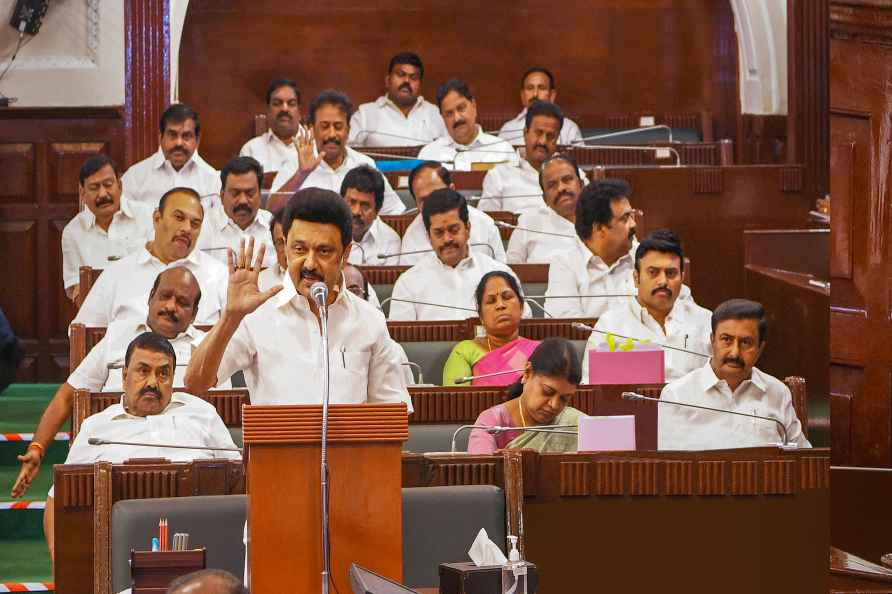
pixel 93 164
pixel 240 166
pixel 151 341
pixel 559 157
pixel 367 180
pixel 316 205
pixel 179 190
pixel 409 58
pixel 594 203
pixel 444 200
pixel 229 581
pixel 660 240
pixel 534 69
pixel 163 272
pixel 554 357
pixel 277 219
pixel 442 173
pixel 331 97
pixel 543 108
pixel 278 84
pixel 741 309
pixel 453 84
pixel 481 286
pixel 178 113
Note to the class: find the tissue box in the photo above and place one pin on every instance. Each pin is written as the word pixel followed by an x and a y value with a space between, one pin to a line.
pixel 642 365
pixel 606 434
pixel 467 578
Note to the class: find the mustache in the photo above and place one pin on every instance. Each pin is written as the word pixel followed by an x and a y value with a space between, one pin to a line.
pixel 541 146
pixel 458 123
pixel 336 141
pixel 243 208
pixel 150 390
pixel 451 244
pixel 406 86
pixel 310 274
pixel 178 149
pixel 661 290
pixel 104 200
pixel 170 315
pixel 565 193
pixel 284 115
pixel 735 360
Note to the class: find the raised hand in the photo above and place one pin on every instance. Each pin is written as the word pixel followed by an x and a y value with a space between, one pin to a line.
pixel 243 295
pixel 307 159
pixel 30 467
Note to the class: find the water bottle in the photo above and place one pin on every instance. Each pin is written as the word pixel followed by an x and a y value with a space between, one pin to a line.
pixel 514 572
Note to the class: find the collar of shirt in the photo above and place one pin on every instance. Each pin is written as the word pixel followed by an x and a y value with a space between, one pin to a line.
pixel 432 260
pixel 144 256
pixel 89 219
pixel 594 261
pixel 271 138
pixel 349 162
pixel 221 220
pixel 176 401
pixel 452 143
pixel 371 236
pixel 384 102
pixel 159 161
pixel 525 166
pixel 707 380
pixel 676 314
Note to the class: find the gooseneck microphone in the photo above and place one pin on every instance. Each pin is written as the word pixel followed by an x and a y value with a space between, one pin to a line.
pixel 100 441
pixel 493 429
pixel 319 293
pixel 443 305
pixel 587 328
pixel 469 378
pixel 505 225
pixel 636 396
pixel 428 250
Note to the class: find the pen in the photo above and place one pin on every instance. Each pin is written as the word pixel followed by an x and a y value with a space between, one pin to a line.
pixel 344 357
pixel 685 341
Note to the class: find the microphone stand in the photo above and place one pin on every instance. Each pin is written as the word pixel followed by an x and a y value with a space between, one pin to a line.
pixel 326 389
pixel 498 429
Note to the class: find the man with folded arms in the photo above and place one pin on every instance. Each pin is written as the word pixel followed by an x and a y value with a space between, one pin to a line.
pixel 657 313
pixel 110 227
pixel 550 228
pixel 329 116
pixel 466 142
pixel 275 148
pixel 400 117
pixel 537 84
pixel 363 190
pixel 730 381
pixel 447 277
pixel 149 412
pixel 423 180
pixel 241 216
pixel 517 188
pixel 602 259
pixel 120 290
pixel 273 335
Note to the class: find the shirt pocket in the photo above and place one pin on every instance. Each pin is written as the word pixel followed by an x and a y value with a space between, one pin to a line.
pixel 350 374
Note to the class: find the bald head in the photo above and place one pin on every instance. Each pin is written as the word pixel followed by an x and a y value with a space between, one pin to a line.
pixel 173 302
pixel 207 581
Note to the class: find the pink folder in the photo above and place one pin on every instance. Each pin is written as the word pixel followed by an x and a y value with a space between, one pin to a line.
pixel 642 365
pixel 606 434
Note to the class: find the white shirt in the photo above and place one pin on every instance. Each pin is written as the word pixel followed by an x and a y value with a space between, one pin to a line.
pixel 514 188
pixel 219 232
pixel 278 348
pixel 577 272
pixel 100 371
pixel 688 326
pixel 270 277
pixel 85 243
pixel 149 179
pixel 512 130
pixel 431 281
pixel 379 239
pixel 331 179
pixel 680 428
pixel 382 123
pixel 122 290
pixel 485 148
pixel 270 152
pixel 485 238
pixel 528 247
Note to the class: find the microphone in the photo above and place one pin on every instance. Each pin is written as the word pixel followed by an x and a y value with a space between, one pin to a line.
pixel 636 396
pixel 426 303
pixel 100 441
pixel 531 301
pixel 581 142
pixel 634 148
pixel 367 133
pixel 413 252
pixel 505 225
pixel 417 367
pixel 469 378
pixel 319 293
pixel 499 429
pixel 360 248
pixel 587 328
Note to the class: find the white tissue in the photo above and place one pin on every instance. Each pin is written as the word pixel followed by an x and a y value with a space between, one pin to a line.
pixel 485 552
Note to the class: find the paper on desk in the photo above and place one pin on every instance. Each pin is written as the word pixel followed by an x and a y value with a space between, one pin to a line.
pixel 485 552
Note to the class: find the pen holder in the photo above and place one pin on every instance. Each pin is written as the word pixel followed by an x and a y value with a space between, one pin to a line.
pixel 152 571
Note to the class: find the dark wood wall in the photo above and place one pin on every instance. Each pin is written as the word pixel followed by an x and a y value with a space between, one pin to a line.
pixel 41 151
pixel 609 56
pixel 860 268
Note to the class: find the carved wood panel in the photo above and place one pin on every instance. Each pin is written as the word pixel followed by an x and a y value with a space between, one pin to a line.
pixel 17 165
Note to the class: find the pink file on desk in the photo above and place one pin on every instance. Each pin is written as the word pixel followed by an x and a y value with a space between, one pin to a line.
pixel 606 434
pixel 642 365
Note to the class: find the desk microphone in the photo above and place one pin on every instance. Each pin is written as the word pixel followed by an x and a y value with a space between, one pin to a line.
pixel 360 248
pixel 493 429
pixel 505 225
pixel 319 293
pixel 587 328
pixel 413 252
pixel 426 303
pixel 416 367
pixel 580 143
pixel 100 441
pixel 367 133
pixel 636 147
pixel 469 378
pixel 635 396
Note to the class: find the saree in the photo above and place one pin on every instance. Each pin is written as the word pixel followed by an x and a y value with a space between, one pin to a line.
pixel 550 442
pixel 513 355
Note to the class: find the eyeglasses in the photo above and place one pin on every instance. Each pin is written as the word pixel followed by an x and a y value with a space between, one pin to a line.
pixel 632 213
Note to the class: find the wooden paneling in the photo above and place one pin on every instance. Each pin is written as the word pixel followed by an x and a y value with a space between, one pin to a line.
pixel 41 151
pixel 861 296
pixel 761 139
pixel 609 56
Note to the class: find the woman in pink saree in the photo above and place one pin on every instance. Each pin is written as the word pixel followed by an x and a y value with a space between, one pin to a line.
pixel 500 349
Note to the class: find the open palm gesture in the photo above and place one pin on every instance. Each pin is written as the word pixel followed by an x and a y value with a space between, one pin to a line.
pixel 243 295
pixel 305 143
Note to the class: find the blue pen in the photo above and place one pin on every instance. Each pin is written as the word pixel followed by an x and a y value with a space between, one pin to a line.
pixel 156 544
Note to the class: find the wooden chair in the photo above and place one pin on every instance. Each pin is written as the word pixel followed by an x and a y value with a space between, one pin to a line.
pixel 800 400
pixel 87 279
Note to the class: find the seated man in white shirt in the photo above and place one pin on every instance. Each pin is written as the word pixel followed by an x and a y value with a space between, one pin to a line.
pixel 441 285
pixel 240 216
pixel 149 412
pixel 175 164
pixel 275 148
pixel 272 275
pixel 400 117
pixel 657 314
pixel 517 188
pixel 466 143
pixel 329 117
pixel 173 302
pixel 730 381
pixel 424 179
pixel 538 83
pixel 600 263
pixel 110 227
pixel 550 228
pixel 120 290
pixel 274 335
pixel 363 190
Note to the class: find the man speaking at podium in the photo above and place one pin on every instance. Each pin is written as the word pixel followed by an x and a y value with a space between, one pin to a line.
pixel 274 335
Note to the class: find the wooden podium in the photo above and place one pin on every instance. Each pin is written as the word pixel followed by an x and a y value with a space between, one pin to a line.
pixel 284 510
